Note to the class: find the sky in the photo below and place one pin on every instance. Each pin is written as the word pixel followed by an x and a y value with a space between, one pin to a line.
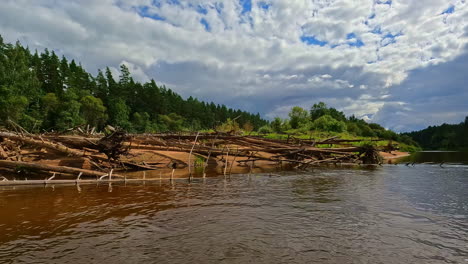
pixel 402 64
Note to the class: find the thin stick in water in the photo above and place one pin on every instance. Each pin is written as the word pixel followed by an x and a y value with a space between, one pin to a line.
pixel 209 154
pixel 226 162
pixel 232 163
pixel 190 156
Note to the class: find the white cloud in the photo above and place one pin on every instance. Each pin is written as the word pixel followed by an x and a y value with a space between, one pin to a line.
pixel 254 59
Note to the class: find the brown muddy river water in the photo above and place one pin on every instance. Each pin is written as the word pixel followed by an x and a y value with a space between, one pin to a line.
pixel 391 214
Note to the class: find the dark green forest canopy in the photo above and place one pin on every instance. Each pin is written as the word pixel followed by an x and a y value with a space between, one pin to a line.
pixel 43 92
pixel 443 137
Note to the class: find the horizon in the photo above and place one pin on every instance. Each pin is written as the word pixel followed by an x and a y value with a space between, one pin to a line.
pixel 261 56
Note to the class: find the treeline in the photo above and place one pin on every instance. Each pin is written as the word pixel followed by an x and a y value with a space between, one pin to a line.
pixel 42 92
pixel 328 119
pixel 443 137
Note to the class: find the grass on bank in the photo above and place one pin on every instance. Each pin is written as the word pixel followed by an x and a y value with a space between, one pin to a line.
pixel 321 135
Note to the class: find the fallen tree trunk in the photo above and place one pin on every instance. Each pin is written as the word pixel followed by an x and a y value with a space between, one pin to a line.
pixel 184 137
pixel 44 167
pixel 265 143
pixel 67 150
pixel 44 144
pixel 3 154
pixel 74 141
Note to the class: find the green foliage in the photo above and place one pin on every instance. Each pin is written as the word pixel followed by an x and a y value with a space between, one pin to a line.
pixel 298 117
pixel 248 127
pixel 171 122
pixel 69 115
pixel 276 125
pixel 328 123
pixel 119 113
pixel 142 123
pixel 93 111
pixel 279 125
pixel 409 147
pixel 367 144
pixel 19 88
pixel 43 92
pixel 320 109
pixel 12 107
pixel 353 128
pixel 265 130
pixel 229 126
pixel 333 122
pixel 30 123
pixel 443 137
pixel 366 131
pixel 50 102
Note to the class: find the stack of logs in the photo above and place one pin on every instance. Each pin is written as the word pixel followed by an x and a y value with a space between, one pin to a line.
pixel 117 150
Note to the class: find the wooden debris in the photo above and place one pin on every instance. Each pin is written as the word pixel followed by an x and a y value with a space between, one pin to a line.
pixel 113 145
pixel 47 168
pixel 120 151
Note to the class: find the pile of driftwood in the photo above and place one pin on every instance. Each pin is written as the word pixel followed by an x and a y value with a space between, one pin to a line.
pixel 98 156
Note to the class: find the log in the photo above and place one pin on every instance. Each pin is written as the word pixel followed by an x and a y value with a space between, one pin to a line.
pixel 44 167
pixel 67 150
pixel 44 144
pixel 203 151
pixel 265 143
pixel 75 141
pixel 185 137
pixel 3 153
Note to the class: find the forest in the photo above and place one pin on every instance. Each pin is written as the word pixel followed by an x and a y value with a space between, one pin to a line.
pixel 443 137
pixel 42 92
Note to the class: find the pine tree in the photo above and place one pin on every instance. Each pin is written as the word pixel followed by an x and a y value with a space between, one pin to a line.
pixel 44 92
pixel 101 89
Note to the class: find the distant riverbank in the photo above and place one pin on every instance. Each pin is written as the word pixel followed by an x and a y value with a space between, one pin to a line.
pixel 456 157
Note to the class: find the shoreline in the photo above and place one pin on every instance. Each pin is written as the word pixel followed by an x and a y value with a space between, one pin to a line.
pixel 122 155
pixel 393 155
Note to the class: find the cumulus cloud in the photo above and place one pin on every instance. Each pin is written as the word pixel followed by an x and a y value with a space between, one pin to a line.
pixel 432 95
pixel 387 61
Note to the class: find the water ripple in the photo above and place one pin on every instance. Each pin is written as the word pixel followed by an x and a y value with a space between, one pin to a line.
pixel 389 215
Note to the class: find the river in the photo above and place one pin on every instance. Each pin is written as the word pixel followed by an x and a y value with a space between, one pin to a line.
pixel 391 214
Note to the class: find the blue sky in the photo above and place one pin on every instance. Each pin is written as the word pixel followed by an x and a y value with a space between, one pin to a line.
pixel 399 63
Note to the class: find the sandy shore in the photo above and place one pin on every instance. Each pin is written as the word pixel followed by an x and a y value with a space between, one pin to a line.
pixel 388 156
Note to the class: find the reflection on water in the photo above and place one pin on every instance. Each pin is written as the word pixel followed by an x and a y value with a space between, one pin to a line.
pixel 393 214
pixel 437 157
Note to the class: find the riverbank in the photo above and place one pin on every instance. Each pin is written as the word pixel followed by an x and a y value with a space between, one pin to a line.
pixel 119 155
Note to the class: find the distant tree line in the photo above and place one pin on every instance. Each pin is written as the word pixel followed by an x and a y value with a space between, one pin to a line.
pixel 328 119
pixel 443 137
pixel 42 92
